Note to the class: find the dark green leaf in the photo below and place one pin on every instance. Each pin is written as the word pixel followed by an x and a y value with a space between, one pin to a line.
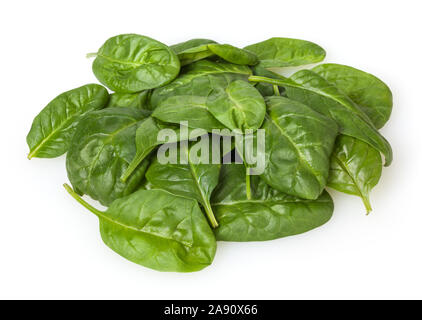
pixel 355 168
pixel 298 145
pixel 194 54
pixel 147 139
pixel 101 150
pixel 238 106
pixel 193 43
pixel 308 87
pixel 131 63
pixel 264 88
pixel 192 180
pixel 53 128
pixel 268 214
pixel 130 100
pixel 196 79
pixel 371 94
pixel 188 108
pixel 158 230
pixel 233 54
pixel 285 52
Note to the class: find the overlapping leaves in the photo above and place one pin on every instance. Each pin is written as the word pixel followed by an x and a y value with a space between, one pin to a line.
pixel 321 130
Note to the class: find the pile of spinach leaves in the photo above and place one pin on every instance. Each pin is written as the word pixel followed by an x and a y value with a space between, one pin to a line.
pixel 321 126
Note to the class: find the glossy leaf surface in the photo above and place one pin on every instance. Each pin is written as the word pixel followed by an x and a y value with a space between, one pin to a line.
pixel 311 89
pixel 234 55
pixel 101 150
pixel 371 94
pixel 131 63
pixel 266 89
pixel 130 100
pixel 190 44
pixel 238 106
pixel 285 52
pixel 157 230
pixel 298 146
pixel 192 180
pixel 355 168
pixel 53 128
pixel 147 139
pixel 197 78
pixel 189 108
pixel 268 214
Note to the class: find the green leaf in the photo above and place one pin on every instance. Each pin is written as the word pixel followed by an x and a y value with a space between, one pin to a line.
pixel 53 128
pixel 187 108
pixel 268 214
pixel 147 139
pixel 233 54
pixel 101 150
pixel 355 168
pixel 285 52
pixel 197 78
pixel 192 50
pixel 130 100
pixel 157 230
pixel 298 145
pixel 192 180
pixel 311 89
pixel 237 106
pixel 266 89
pixel 190 44
pixel 130 63
pixel 194 54
pixel 371 94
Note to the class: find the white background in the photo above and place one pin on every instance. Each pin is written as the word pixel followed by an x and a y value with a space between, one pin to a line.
pixel 50 246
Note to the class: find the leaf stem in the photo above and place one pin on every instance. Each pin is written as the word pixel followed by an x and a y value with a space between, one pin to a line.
pixel 210 215
pixel 248 185
pixel 367 204
pixel 132 166
pixel 81 201
pixel 91 55
pixel 276 90
pixel 278 82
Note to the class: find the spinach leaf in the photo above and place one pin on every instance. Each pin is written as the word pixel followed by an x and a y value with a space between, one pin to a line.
pixel 371 94
pixel 237 106
pixel 233 54
pixel 266 89
pixel 157 230
pixel 214 102
pixel 285 52
pixel 130 100
pixel 268 214
pixel 355 168
pixel 189 108
pixel 198 49
pixel 308 87
pixel 134 150
pixel 190 44
pixel 192 50
pixel 101 150
pixel 197 78
pixel 298 145
pixel 147 135
pixel 185 99
pixel 192 180
pixel 131 63
pixel 53 128
pixel 194 54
